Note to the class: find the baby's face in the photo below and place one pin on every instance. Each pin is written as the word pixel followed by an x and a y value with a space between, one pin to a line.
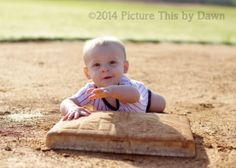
pixel 106 65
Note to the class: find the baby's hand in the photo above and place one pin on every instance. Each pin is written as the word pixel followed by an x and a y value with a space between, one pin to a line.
pixel 99 92
pixel 76 113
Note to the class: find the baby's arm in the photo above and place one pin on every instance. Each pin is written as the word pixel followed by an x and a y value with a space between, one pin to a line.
pixel 71 110
pixel 158 103
pixel 126 94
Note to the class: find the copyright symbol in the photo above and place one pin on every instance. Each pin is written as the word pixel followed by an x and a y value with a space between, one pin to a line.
pixel 92 15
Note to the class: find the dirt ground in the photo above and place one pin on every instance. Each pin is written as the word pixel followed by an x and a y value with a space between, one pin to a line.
pixel 198 81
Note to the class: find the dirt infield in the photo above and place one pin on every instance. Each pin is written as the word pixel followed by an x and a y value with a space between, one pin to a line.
pixel 198 81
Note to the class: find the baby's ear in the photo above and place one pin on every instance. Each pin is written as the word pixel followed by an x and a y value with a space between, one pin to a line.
pixel 126 66
pixel 86 72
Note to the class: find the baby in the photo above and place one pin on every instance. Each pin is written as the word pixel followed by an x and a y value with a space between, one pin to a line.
pixel 110 89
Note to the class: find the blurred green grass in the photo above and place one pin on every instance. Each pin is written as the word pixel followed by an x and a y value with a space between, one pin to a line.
pixel 23 20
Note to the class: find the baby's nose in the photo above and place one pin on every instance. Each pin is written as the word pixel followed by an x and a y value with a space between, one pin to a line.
pixel 104 68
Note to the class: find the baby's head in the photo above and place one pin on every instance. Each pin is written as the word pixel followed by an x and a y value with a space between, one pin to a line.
pixel 105 60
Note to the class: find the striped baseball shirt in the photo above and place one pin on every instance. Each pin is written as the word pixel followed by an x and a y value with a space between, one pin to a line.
pixel 101 104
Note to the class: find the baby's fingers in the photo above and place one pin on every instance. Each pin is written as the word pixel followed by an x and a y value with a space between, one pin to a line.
pixel 90 90
pixel 84 113
pixel 87 111
pixel 93 96
pixel 65 117
pixel 71 116
pixel 96 91
pixel 77 115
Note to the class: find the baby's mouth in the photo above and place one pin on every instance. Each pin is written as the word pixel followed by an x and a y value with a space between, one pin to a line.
pixel 107 77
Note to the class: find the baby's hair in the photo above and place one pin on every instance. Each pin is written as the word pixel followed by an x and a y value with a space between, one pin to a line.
pixel 102 41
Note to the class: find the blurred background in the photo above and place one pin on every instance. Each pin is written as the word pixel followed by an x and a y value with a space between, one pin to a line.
pixel 179 21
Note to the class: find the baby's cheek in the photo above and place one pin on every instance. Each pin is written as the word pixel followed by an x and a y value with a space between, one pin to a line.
pixel 95 74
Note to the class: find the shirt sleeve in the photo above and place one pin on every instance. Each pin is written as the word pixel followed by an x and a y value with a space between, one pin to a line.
pixel 82 97
pixel 143 91
pixel 142 104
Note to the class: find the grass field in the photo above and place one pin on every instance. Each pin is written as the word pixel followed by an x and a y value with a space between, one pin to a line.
pixel 70 19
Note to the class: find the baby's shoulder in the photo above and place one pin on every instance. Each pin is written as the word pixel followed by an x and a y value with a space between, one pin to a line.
pixel 87 86
pixel 136 83
pixel 127 81
pixel 90 85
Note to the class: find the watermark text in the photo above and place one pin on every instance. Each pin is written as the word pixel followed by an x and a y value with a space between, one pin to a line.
pixel 154 16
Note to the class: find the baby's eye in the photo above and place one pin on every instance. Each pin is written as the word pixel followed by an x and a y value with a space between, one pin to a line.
pixel 96 65
pixel 112 62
